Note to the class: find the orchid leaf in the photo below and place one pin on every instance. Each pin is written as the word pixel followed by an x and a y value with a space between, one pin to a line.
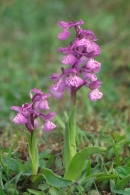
pixel 123 192
pixel 2 192
pixel 35 192
pixel 107 177
pixel 55 180
pixel 53 191
pixel 123 171
pixel 92 176
pixel 122 183
pixel 88 170
pixel 78 162
pixel 117 158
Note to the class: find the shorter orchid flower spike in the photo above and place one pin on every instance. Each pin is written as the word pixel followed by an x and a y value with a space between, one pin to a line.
pixel 28 113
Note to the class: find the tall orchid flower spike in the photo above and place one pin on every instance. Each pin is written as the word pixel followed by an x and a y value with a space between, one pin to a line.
pixel 79 69
pixel 28 113
pixel 82 67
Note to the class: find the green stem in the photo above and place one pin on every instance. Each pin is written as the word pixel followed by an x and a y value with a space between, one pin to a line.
pixel 70 132
pixel 33 151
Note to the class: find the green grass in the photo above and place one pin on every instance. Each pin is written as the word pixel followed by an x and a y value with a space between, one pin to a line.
pixel 28 55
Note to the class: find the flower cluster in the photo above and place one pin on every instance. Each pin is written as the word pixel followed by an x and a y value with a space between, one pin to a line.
pixel 79 56
pixel 28 113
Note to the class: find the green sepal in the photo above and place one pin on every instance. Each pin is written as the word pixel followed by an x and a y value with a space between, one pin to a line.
pixel 78 162
pixel 55 180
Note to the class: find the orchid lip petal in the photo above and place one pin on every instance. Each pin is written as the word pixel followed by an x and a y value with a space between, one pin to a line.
pixel 69 59
pixel 43 105
pixel 64 34
pixel 48 126
pixel 95 95
pixel 74 81
pixel 57 94
pixel 20 119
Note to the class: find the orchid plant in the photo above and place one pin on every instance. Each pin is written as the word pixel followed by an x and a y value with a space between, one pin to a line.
pixel 79 69
pixel 28 114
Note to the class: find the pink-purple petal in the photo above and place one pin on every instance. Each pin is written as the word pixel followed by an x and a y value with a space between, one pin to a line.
pixel 63 50
pixel 89 76
pixel 43 105
pixel 95 84
pixel 48 126
pixel 74 81
pixel 95 95
pixel 83 60
pixel 88 34
pixel 20 119
pixel 69 59
pixel 48 116
pixel 36 123
pixel 63 24
pixel 81 42
pixel 93 65
pixel 55 77
pixel 64 34
pixel 55 92
pixel 16 108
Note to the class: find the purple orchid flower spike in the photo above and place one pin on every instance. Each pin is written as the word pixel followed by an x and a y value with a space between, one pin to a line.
pixel 79 57
pixel 28 113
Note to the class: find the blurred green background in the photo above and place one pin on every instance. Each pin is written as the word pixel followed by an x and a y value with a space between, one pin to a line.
pixel 28 55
